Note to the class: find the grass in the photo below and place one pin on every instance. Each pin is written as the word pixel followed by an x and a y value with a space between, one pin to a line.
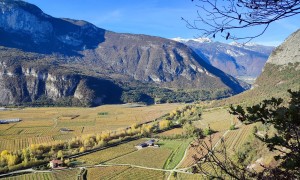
pixel 147 157
pixel 32 176
pixel 189 160
pixel 110 153
pixel 45 123
pixel 167 155
pixel 105 172
pixel 217 119
pixel 68 174
pixel 184 176
pixel 137 174
pixel 177 155
pixel 172 132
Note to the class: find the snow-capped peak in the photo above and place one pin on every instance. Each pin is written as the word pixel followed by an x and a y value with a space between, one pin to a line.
pixel 234 43
pixel 199 40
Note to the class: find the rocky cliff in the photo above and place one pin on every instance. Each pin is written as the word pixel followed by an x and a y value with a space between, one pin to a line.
pixel 43 57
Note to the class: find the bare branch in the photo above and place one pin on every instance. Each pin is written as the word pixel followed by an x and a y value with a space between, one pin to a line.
pixel 225 17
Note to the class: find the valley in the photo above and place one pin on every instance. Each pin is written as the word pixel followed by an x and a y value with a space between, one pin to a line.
pixel 174 155
pixel 81 101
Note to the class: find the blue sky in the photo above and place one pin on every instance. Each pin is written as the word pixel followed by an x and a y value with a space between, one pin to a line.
pixel 152 17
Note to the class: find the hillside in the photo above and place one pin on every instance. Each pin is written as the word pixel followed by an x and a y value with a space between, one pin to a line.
pixel 47 60
pixel 281 72
pixel 241 61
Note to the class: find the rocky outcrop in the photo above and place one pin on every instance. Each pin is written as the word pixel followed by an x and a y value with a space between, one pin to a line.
pixel 288 51
pixel 21 85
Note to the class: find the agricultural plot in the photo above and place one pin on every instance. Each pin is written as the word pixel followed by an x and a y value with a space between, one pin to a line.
pixel 216 119
pixel 105 172
pixel 138 173
pixel 172 132
pixel 168 155
pixel 197 151
pixel 32 176
pixel 41 125
pixel 110 153
pixel 236 138
pixel 185 176
pixel 67 174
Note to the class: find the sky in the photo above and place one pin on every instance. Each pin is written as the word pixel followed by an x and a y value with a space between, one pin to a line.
pixel 152 17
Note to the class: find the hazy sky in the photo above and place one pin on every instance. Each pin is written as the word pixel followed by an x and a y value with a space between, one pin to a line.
pixel 152 17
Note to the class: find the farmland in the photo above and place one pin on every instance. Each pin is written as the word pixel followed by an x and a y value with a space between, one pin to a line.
pixel 122 161
pixel 40 125
pixel 110 153
pixel 166 156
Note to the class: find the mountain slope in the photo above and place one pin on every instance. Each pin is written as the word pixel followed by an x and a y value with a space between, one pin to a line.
pixel 237 60
pixel 281 72
pixel 69 60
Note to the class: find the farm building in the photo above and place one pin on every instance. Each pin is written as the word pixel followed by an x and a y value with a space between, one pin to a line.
pixel 145 144
pixel 56 163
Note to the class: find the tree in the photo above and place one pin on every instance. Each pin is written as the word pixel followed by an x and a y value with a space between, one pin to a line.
pixel 284 117
pixel 224 18
pixel 164 124
pixel 286 140
pixel 60 154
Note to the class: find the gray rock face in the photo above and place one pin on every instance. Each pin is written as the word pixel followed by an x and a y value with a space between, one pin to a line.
pixel 62 58
pixel 288 51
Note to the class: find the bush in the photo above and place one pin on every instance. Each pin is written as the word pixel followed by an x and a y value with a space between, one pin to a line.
pixel 232 127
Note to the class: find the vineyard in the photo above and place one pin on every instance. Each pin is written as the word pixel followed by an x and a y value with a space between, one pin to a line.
pixel 105 172
pixel 217 119
pixel 172 132
pixel 137 174
pixel 32 176
pixel 109 153
pixel 39 125
pixel 197 151
pixel 167 155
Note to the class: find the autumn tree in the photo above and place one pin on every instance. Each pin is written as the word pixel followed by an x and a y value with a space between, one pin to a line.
pixel 164 124
pixel 225 18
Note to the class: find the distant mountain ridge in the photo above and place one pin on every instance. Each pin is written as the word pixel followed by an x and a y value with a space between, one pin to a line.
pixel 241 61
pixel 43 58
pixel 280 73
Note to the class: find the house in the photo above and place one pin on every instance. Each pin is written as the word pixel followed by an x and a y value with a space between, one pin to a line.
pixel 56 163
pixel 145 144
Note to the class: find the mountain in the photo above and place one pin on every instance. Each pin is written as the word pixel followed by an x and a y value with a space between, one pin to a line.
pixel 241 61
pixel 46 60
pixel 280 73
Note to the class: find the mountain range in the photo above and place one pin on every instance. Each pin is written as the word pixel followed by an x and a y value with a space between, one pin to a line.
pixel 280 73
pixel 46 60
pixel 243 61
